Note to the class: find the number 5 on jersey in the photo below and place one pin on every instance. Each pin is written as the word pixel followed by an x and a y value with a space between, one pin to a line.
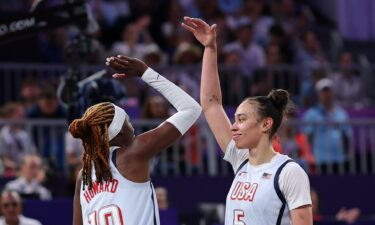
pixel 238 217
pixel 108 215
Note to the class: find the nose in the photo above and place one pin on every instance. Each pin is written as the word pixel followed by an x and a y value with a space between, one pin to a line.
pixel 234 127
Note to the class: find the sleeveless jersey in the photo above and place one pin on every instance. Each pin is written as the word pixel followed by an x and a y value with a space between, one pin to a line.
pixel 255 197
pixel 119 201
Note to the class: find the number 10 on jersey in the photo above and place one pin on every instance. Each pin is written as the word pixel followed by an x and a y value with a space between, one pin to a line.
pixel 108 215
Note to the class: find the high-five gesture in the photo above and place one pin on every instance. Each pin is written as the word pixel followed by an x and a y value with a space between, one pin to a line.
pixel 126 66
pixel 203 32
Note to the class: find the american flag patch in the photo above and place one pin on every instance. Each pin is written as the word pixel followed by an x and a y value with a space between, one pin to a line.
pixel 266 175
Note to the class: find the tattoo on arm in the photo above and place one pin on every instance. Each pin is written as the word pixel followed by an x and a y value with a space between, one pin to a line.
pixel 214 98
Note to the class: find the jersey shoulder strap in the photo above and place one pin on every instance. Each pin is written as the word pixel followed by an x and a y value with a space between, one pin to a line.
pixel 242 165
pixel 278 191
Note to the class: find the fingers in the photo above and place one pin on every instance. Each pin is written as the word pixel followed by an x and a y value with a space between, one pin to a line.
pixel 124 57
pixel 115 63
pixel 198 22
pixel 187 27
pixel 190 22
pixel 119 75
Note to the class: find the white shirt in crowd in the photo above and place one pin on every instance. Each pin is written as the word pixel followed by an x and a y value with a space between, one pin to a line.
pixel 23 221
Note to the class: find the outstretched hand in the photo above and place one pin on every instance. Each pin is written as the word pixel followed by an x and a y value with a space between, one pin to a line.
pixel 203 32
pixel 126 66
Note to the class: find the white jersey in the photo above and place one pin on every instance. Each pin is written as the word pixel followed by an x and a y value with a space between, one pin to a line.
pixel 264 194
pixel 119 201
pixel 23 221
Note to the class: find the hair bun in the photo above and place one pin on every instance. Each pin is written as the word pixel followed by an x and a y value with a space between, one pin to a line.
pixel 280 98
pixel 78 128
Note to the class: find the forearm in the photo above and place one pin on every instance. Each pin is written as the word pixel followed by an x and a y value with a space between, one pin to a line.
pixel 188 109
pixel 210 84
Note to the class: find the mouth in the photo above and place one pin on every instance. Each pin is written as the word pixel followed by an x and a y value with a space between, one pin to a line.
pixel 236 136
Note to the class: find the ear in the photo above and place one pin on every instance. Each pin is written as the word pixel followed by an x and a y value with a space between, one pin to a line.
pixel 267 124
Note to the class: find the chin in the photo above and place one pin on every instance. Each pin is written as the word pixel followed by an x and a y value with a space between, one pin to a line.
pixel 240 146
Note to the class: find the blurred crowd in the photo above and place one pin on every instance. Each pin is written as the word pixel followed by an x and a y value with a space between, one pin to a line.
pixel 263 44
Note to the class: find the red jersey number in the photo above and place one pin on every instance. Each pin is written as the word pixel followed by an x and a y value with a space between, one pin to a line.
pixel 107 215
pixel 238 217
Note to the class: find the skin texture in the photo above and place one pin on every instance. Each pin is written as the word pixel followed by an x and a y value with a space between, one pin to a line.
pixel 133 158
pixel 248 131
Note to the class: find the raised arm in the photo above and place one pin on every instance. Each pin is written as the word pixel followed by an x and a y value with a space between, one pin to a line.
pixel 210 95
pixel 188 110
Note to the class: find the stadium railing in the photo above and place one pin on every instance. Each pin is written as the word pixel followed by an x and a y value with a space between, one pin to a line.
pixel 197 152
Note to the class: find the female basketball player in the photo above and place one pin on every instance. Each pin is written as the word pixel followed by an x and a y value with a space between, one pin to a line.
pixel 267 188
pixel 114 185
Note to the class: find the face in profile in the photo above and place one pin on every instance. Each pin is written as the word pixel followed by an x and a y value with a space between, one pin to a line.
pixel 246 129
pixel 125 136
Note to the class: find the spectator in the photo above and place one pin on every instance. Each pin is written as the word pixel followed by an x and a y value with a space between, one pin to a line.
pixel 48 107
pixel 29 181
pixel 15 142
pixel 309 96
pixel 330 136
pixel 135 38
pixel 309 54
pixel 187 54
pixel 272 76
pixel 252 55
pixel 262 23
pixel 30 93
pixel 232 78
pixel 73 154
pixel 11 207
pixel 155 107
pixel 73 150
pixel 162 198
pixel 171 27
pixel 296 145
pixel 154 56
pixel 348 216
pixel 348 89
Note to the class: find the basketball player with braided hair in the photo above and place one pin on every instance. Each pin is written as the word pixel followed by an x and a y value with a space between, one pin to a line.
pixel 268 188
pixel 114 185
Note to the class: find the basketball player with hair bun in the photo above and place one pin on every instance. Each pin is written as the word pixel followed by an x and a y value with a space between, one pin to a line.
pixel 268 188
pixel 114 184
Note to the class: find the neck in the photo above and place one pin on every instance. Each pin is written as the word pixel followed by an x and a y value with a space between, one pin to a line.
pixel 328 107
pixel 12 222
pixel 28 180
pixel 262 153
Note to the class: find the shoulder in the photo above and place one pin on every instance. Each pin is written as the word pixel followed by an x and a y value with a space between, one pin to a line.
pixel 292 169
pixel 341 112
pixel 256 48
pixel 311 113
pixel 293 175
pixel 14 184
pixel 29 221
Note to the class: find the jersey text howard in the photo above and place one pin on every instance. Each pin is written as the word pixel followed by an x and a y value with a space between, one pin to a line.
pixel 108 186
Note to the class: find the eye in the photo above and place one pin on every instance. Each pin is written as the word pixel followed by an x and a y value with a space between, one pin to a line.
pixel 241 120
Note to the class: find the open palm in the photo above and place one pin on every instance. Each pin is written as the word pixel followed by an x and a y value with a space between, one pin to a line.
pixel 204 33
